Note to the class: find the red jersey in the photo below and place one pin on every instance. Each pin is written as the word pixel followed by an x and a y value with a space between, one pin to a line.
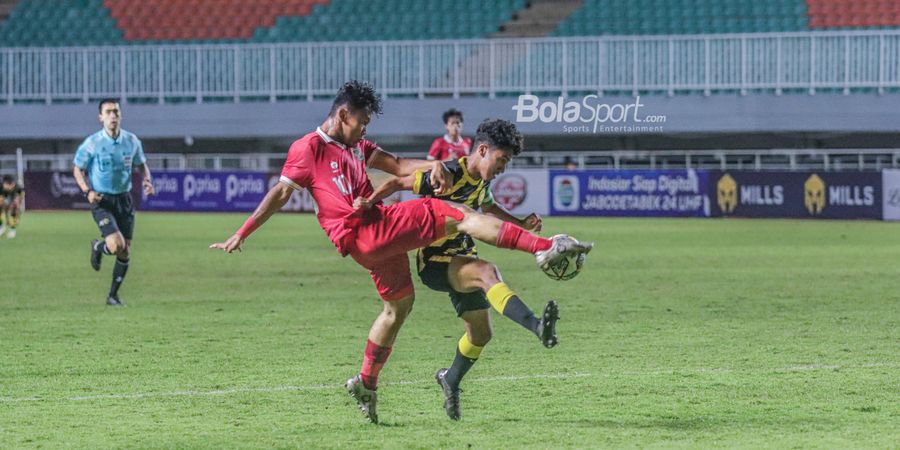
pixel 335 175
pixel 443 148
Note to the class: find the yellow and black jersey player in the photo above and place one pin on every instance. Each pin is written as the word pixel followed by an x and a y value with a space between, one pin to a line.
pixel 452 265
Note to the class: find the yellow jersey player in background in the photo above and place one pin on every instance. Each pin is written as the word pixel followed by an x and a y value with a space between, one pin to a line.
pixel 12 196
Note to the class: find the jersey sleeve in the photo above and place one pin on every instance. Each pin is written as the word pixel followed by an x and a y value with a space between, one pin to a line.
pixel 435 151
pixel 422 184
pixel 83 155
pixel 468 144
pixel 368 148
pixel 139 158
pixel 298 167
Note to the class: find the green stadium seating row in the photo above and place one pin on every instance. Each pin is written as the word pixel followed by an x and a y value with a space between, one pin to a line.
pixel 90 22
pixel 630 17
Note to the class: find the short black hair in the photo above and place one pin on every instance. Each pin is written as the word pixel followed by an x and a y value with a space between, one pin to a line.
pixel 500 134
pixel 105 101
pixel 357 95
pixel 452 112
pixel 8 179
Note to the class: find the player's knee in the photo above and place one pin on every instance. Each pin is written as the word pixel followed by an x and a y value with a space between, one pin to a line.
pixel 113 245
pixel 124 252
pixel 488 275
pixel 397 311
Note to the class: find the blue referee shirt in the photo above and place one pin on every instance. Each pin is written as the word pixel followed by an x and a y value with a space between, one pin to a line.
pixel 108 161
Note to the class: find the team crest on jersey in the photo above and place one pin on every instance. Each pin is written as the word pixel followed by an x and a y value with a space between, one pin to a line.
pixel 357 153
pixel 334 166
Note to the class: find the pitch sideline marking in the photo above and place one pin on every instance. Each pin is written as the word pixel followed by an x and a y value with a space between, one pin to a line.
pixel 550 376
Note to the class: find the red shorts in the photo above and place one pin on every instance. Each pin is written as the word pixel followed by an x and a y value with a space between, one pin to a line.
pixel 381 246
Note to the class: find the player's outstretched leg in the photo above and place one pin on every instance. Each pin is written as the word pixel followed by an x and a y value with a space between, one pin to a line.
pixel 498 233
pixel 467 273
pixel 561 245
pixel 508 303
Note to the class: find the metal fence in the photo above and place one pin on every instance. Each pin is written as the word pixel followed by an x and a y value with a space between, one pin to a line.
pixel 774 62
pixel 826 160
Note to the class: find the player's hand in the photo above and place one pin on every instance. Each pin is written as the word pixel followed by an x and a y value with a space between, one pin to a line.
pixel 533 223
pixel 148 188
pixel 441 179
pixel 94 197
pixel 233 243
pixel 363 203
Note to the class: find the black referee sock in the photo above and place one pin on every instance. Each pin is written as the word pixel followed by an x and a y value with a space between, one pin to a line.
pixel 101 245
pixel 118 276
pixel 519 312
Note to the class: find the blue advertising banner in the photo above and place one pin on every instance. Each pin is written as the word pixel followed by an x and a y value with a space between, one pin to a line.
pixel 629 193
pixel 827 195
pixel 207 191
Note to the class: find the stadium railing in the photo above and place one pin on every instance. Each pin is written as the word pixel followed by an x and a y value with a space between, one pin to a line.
pixel 805 62
pixel 776 159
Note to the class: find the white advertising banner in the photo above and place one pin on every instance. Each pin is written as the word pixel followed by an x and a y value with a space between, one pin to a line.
pixel 523 191
pixel 891 194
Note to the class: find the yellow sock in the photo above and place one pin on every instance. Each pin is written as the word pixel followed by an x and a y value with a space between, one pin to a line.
pixel 498 295
pixel 468 349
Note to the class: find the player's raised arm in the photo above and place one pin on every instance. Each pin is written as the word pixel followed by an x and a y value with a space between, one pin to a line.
pixel 531 223
pixel 274 200
pixel 386 190
pixel 402 167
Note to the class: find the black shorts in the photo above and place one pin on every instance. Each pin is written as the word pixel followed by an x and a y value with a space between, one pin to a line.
pixel 115 212
pixel 434 274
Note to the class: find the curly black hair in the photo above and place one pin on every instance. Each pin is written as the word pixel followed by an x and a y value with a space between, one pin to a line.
pixel 357 95
pixel 452 112
pixel 8 179
pixel 500 134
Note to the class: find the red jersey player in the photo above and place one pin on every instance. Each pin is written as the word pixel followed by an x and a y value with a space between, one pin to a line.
pixel 451 146
pixel 331 162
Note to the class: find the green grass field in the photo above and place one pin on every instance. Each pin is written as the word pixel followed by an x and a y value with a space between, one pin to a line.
pixel 679 333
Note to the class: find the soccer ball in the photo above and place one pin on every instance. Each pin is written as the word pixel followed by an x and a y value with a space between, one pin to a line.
pixel 564 268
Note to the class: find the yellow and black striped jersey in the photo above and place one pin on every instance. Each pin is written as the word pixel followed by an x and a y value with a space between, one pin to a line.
pixel 474 193
pixel 14 192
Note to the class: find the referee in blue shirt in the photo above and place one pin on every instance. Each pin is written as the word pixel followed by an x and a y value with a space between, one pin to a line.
pixel 103 166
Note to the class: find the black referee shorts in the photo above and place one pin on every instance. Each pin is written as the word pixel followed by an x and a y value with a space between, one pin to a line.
pixel 115 212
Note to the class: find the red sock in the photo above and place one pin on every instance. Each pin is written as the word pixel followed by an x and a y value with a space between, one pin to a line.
pixel 517 238
pixel 373 361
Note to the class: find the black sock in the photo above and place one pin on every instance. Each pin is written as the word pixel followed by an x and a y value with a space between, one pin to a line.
pixel 519 312
pixel 118 276
pixel 101 245
pixel 461 365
